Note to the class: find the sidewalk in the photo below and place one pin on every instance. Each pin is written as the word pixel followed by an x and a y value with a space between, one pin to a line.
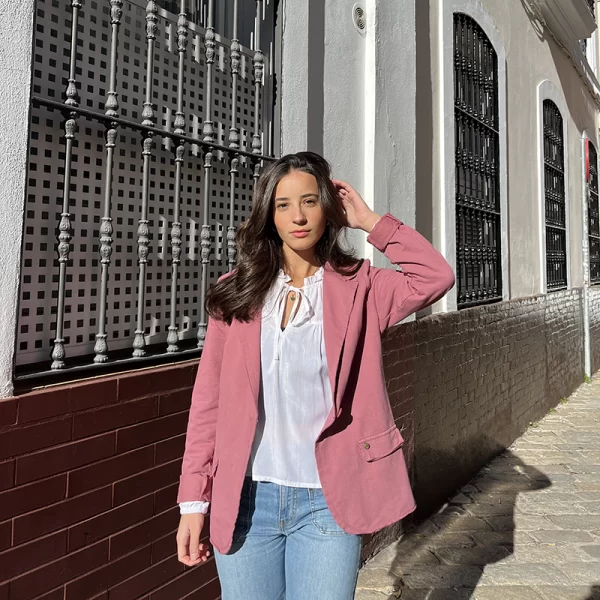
pixel 526 528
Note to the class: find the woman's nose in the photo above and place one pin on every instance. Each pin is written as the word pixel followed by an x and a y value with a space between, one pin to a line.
pixel 299 217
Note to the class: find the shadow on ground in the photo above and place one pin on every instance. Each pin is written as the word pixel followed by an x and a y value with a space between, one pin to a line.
pixel 444 557
pixel 594 593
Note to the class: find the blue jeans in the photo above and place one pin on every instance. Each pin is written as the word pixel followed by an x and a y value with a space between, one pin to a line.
pixel 287 546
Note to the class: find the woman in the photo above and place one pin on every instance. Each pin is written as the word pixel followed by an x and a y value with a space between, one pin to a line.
pixel 291 436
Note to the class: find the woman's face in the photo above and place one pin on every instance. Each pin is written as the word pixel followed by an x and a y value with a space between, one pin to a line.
pixel 298 213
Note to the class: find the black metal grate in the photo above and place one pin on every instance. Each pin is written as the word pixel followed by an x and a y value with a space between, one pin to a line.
pixel 478 236
pixel 554 194
pixel 593 214
pixel 148 130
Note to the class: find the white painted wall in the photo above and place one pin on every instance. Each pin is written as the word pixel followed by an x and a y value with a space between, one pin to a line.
pixel 531 56
pixel 351 97
pixel 16 32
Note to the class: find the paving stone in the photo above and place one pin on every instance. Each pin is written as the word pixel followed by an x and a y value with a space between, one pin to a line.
pixel 576 522
pixel 587 496
pixel 420 556
pixel 592 550
pixel 587 486
pixel 380 580
pixel 461 499
pixel 433 594
pixel 579 572
pixel 371 595
pixel 526 574
pixel 567 593
pixel 442 576
pixel 548 507
pixel 549 554
pixel 558 536
pixel 497 509
pixel 506 592
pixel 460 523
pixel 502 538
pixel 591 508
pixel 466 489
pixel 479 555
pixel 522 522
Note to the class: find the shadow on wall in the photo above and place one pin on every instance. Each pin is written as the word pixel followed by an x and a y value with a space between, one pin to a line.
pixel 449 551
pixel 577 96
pixel 532 11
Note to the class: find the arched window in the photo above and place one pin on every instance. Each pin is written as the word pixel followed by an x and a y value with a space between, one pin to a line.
pixel 554 196
pixel 593 220
pixel 477 158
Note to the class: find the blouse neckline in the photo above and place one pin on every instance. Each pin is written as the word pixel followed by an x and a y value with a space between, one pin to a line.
pixel 317 277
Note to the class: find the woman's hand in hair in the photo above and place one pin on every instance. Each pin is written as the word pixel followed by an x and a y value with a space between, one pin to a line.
pixel 189 549
pixel 359 215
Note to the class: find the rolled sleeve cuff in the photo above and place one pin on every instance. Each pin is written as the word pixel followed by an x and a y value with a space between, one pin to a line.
pixel 189 508
pixel 194 487
pixel 383 231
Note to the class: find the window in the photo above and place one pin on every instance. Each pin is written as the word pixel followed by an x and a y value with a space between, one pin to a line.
pixel 593 221
pixel 477 149
pixel 554 197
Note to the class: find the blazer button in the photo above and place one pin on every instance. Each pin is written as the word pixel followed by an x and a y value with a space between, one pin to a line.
pixel 366 446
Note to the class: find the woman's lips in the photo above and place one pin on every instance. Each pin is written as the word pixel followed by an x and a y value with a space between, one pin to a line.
pixel 300 234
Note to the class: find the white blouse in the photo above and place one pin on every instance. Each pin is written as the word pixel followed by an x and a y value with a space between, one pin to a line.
pixel 295 396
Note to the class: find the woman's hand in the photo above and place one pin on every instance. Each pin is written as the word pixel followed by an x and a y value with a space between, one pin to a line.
pixel 189 549
pixel 359 215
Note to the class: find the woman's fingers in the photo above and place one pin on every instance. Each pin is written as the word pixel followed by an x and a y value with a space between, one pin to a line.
pixel 189 549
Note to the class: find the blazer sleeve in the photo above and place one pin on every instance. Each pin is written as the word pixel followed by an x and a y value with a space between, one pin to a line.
pixel 195 483
pixel 424 275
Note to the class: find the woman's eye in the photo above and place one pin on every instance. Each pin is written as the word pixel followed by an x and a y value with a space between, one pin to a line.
pixel 311 202
pixel 281 206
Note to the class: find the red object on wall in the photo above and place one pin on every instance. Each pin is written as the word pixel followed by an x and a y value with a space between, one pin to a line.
pixel 587 160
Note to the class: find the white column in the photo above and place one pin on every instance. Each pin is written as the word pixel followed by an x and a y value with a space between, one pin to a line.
pixel 16 33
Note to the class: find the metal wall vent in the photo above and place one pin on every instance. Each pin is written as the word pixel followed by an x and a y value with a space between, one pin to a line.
pixel 359 16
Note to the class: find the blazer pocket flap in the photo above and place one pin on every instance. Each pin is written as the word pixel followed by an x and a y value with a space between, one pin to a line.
pixel 381 445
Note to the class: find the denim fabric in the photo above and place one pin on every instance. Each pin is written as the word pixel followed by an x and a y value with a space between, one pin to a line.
pixel 287 546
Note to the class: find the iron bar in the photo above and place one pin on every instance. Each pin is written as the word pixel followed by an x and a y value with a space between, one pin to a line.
pixel 126 123
pixel 208 133
pixel 106 229
pixel 143 231
pixel 258 68
pixel 64 226
pixel 234 137
pixel 182 41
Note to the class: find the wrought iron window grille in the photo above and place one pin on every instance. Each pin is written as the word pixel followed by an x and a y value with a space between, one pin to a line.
pixel 139 177
pixel 478 235
pixel 554 198
pixel 593 217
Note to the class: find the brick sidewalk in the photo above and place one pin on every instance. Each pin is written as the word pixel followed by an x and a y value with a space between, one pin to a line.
pixel 526 528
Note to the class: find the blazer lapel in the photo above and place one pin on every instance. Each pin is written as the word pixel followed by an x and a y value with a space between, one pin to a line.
pixel 249 334
pixel 338 298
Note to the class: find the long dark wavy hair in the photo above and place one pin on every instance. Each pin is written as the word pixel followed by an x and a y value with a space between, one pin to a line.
pixel 259 248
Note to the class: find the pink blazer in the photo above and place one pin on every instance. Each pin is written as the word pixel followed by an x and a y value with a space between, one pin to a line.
pixel 362 471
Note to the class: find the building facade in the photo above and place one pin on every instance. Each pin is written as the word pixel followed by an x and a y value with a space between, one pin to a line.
pixel 132 134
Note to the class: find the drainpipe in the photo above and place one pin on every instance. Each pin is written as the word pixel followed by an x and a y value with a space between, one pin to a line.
pixel 586 262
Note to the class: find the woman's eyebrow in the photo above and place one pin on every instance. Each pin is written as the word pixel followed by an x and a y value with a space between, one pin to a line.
pixel 303 196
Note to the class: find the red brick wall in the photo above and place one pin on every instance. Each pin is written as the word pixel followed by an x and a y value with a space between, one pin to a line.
pixel 89 472
pixel 88 483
